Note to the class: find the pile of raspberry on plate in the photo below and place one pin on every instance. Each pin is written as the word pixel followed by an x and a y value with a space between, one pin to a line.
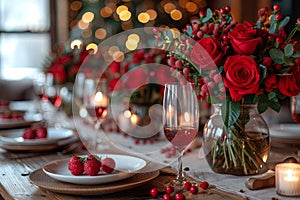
pixel 91 165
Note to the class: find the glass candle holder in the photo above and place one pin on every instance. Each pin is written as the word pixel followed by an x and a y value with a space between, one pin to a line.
pixel 287 179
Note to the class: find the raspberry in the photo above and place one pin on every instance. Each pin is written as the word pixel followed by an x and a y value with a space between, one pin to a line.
pixel 92 165
pixel 29 133
pixel 194 189
pixel 75 166
pixel 41 132
pixel 154 192
pixel 108 165
pixel 187 185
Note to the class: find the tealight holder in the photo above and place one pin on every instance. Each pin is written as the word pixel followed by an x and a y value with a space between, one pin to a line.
pixel 287 179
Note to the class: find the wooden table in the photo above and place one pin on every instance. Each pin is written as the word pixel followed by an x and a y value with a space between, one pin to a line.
pixel 16 167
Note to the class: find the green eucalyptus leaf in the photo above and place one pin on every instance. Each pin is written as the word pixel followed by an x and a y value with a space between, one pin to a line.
pixel 273 25
pixel 288 50
pixel 284 22
pixel 262 104
pixel 274 105
pixel 272 96
pixel 296 55
pixel 263 72
pixel 160 43
pixel 277 55
pixel 288 61
pixel 230 113
pixel 208 16
pixel 170 35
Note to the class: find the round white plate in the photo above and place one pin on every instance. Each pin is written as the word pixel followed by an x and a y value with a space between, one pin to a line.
pixel 14 137
pixel 126 166
pixel 285 131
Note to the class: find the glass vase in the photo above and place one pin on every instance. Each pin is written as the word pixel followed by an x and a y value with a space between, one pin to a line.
pixel 241 149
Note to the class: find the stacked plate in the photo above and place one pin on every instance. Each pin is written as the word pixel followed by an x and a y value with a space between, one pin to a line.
pixel 12 140
pixel 285 135
pixel 128 173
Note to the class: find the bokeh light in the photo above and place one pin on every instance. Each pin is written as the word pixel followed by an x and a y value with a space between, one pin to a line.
pixel 106 11
pixel 125 15
pixel 76 43
pixel 75 5
pixel 152 13
pixel 191 7
pixel 82 25
pixel 169 7
pixel 118 56
pixel 176 14
pixel 88 17
pixel 144 17
pixel 100 33
pixel 112 50
pixel 92 46
pixel 121 8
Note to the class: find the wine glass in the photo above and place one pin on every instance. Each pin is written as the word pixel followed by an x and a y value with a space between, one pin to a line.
pixel 96 102
pixel 295 108
pixel 181 120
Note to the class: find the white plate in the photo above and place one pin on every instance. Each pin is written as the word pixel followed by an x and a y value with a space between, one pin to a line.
pixel 126 166
pixel 14 137
pixel 29 118
pixel 285 131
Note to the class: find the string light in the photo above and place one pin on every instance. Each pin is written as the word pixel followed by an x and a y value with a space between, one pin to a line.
pixel 100 33
pixel 144 17
pixel 88 17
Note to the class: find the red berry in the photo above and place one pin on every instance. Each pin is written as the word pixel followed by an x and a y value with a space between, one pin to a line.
pixel 204 185
pixel 29 133
pixel 167 197
pixel 41 132
pixel 75 166
pixel 179 196
pixel 228 8
pixel 187 185
pixel 194 189
pixel 223 11
pixel 278 16
pixel 92 166
pixel 155 31
pixel 178 64
pixel 202 13
pixel 108 165
pixel 298 20
pixel 154 192
pixel 169 189
pixel 276 6
pixel 17 115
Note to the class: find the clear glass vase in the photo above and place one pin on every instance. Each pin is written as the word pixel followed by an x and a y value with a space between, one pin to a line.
pixel 241 149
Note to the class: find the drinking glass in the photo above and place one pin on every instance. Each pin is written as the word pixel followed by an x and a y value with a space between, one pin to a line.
pixel 96 102
pixel 181 120
pixel 295 108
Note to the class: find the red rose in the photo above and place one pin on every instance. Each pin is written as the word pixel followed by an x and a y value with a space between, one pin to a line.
pixel 242 76
pixel 213 55
pixel 244 40
pixel 289 85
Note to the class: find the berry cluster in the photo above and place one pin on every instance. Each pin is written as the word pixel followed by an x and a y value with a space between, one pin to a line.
pixel 90 165
pixel 38 132
pixel 170 192
pixel 11 115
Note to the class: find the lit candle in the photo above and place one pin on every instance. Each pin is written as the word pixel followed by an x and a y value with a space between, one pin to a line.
pixel 100 99
pixel 287 177
pixel 134 119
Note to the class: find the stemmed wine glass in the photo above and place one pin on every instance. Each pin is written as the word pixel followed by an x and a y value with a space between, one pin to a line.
pixel 295 108
pixel 96 102
pixel 181 120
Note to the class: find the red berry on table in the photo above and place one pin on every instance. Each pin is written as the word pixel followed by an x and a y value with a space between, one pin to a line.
pixel 167 197
pixel 228 8
pixel 92 166
pixel 179 196
pixel 298 20
pixel 75 166
pixel 187 185
pixel 276 6
pixel 194 189
pixel 108 165
pixel 154 192
pixel 17 115
pixel 223 11
pixel 29 133
pixel 41 132
pixel 169 189
pixel 204 185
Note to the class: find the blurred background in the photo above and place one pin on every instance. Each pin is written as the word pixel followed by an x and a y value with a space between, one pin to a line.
pixel 31 29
